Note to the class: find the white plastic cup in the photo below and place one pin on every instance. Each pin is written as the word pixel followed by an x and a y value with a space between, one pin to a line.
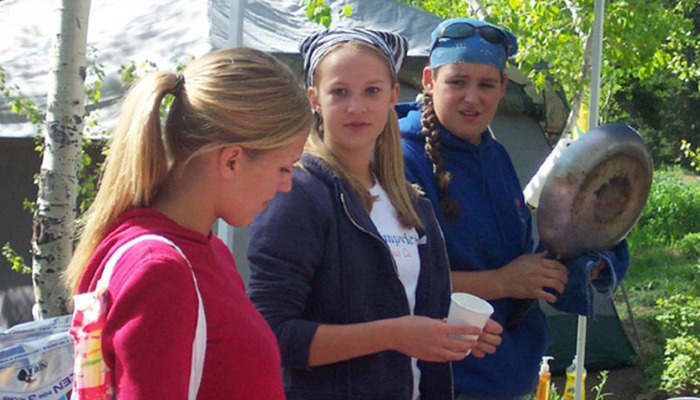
pixel 470 310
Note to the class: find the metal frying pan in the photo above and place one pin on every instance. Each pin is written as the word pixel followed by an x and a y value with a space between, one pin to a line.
pixel 592 196
pixel 595 191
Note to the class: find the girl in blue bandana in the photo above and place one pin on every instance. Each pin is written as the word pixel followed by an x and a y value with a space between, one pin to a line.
pixel 473 186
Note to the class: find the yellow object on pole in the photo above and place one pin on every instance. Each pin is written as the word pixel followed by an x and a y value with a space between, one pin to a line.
pixel 582 121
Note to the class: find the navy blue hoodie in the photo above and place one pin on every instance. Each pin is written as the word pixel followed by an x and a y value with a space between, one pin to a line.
pixel 493 228
pixel 317 258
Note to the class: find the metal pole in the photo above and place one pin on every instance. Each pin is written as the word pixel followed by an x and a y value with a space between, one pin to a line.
pixel 235 22
pixel 235 39
pixel 631 316
pixel 599 15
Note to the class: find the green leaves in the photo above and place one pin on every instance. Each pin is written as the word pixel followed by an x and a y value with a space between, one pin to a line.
pixel 692 155
pixel 317 11
pixel 550 31
pixel 680 319
pixel 16 261
pixel 672 211
pixel 17 103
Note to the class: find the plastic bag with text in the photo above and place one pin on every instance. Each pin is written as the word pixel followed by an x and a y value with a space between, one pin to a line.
pixel 36 360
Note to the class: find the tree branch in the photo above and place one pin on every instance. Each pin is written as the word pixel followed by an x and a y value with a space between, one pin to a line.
pixel 576 19
pixel 584 76
pixel 477 8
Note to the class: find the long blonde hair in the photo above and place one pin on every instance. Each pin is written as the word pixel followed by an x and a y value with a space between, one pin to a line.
pixel 388 164
pixel 234 96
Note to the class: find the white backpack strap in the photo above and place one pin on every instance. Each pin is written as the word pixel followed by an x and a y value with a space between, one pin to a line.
pixel 199 346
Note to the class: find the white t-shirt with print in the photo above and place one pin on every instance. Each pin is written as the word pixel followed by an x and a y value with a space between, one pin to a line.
pixel 403 244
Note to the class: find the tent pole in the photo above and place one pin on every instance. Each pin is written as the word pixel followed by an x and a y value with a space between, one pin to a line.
pixel 599 15
pixel 235 39
pixel 631 316
pixel 235 22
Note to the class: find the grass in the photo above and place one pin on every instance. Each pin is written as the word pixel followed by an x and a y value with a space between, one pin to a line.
pixel 656 273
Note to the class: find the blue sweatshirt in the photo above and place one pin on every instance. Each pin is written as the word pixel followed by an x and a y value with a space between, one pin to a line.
pixel 317 258
pixel 493 228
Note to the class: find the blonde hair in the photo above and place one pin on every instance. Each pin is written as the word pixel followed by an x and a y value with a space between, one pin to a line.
pixel 235 96
pixel 388 166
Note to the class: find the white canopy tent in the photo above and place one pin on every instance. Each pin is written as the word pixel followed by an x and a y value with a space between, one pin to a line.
pixel 170 32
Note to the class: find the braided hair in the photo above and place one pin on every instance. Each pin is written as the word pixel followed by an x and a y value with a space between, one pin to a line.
pixel 448 205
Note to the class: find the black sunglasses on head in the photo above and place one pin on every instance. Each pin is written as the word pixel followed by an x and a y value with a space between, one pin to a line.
pixel 463 30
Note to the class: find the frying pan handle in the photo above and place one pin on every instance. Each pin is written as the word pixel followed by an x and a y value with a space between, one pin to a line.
pixel 520 307
pixel 518 310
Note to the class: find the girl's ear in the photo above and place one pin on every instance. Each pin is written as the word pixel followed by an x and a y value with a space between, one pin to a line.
pixel 229 159
pixel 427 80
pixel 312 95
pixel 395 94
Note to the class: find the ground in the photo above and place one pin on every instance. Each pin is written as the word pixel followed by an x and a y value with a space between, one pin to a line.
pixel 622 384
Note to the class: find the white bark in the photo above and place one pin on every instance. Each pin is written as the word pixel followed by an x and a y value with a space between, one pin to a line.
pixel 52 242
pixel 477 8
pixel 577 98
pixel 576 19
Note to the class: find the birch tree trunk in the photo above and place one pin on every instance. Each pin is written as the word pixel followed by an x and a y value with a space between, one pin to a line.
pixel 56 206
pixel 585 74
pixel 477 8
pixel 577 98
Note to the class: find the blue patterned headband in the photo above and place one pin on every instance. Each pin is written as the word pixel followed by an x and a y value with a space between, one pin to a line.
pixel 315 47
pixel 469 40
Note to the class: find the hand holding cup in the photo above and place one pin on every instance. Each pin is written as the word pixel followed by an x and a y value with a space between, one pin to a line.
pixel 470 310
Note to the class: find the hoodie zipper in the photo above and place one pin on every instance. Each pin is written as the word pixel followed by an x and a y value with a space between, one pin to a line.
pixel 379 239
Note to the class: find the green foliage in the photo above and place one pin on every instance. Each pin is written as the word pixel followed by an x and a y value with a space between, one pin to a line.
pixel 320 13
pixel 672 211
pixel 680 321
pixel 634 45
pixel 89 171
pixel 665 245
pixel 17 103
pixel 656 271
pixel 691 154
pixel 682 361
pixel 679 315
pixel 131 71
pixel 650 66
pixel 664 110
pixel 94 78
pixel 689 245
pixel 553 393
pixel 598 389
pixel 16 261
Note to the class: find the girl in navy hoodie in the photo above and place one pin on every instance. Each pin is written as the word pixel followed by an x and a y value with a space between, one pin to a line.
pixel 349 268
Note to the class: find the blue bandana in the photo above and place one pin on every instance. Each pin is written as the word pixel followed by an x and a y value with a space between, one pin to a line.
pixel 315 47
pixel 487 44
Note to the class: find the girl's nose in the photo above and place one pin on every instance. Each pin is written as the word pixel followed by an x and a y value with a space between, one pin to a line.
pixel 470 96
pixel 356 105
